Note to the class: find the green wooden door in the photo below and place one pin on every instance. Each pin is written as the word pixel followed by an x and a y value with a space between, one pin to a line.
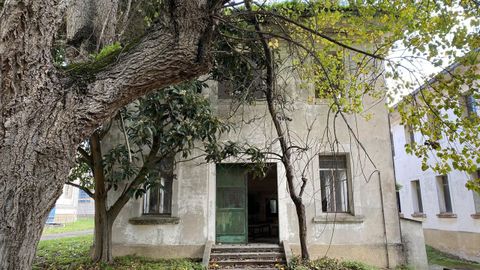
pixel 231 214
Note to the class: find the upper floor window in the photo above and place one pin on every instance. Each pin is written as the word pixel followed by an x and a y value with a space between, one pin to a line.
pixel 443 192
pixel 409 135
pixel 334 183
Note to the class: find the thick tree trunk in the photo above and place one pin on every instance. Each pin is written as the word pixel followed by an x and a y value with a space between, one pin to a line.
pixel 91 24
pixel 44 116
pixel 35 154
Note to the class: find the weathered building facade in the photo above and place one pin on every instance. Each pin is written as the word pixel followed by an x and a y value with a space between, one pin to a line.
pixel 350 196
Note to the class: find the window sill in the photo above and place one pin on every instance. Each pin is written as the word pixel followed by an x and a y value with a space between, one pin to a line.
pixel 475 216
pixel 154 220
pixel 419 215
pixel 447 215
pixel 346 218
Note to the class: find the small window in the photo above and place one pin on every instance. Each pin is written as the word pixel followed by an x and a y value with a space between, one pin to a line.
pixel 476 196
pixel 334 183
pixel 476 201
pixel 443 191
pixel 158 198
pixel 417 197
pixel 471 105
pixel 409 135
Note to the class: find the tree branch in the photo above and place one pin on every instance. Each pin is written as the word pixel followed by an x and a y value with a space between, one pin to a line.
pixel 86 157
pixel 86 190
pixel 174 50
pixel 151 159
pixel 312 31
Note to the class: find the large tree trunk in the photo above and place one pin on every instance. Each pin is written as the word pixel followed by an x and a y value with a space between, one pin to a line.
pixel 35 152
pixel 91 24
pixel 44 114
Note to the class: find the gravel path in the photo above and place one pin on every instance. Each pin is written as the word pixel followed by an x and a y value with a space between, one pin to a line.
pixel 66 234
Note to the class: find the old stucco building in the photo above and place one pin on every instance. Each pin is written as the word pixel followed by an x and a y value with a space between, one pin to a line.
pixel 355 217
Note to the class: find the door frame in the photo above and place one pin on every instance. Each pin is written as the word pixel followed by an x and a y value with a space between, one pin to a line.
pixel 282 197
pixel 245 199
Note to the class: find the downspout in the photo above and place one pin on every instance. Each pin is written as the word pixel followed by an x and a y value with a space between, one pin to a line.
pixel 384 219
pixel 392 145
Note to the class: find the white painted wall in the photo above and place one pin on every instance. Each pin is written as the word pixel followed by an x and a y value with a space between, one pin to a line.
pixel 66 207
pixel 408 168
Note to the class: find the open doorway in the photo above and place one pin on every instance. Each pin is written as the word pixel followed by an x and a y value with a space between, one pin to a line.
pixel 246 205
pixel 263 207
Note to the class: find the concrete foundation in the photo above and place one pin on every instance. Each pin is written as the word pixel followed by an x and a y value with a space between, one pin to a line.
pixel 463 244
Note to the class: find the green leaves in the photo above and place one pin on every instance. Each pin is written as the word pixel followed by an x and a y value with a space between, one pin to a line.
pixel 171 121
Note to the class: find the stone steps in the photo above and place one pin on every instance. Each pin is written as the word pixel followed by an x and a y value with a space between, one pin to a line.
pixel 251 256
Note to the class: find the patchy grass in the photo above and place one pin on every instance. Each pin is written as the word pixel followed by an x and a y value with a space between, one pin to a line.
pixel 329 264
pixel 79 225
pixel 73 253
pixel 63 253
pixel 444 259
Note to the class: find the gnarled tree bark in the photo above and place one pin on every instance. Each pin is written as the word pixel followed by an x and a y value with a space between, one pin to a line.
pixel 44 114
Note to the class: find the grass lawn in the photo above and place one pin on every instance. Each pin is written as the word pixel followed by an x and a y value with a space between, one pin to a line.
pixel 73 253
pixel 79 225
pixel 440 258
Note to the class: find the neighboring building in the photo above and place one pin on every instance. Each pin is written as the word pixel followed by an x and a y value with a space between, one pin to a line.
pixel 354 217
pixel 66 207
pixel 86 205
pixel 450 213
pixel 71 205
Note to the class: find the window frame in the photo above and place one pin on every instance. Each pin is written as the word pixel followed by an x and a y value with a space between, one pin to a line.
pixel 417 197
pixel 146 197
pixel 165 172
pixel 444 192
pixel 348 183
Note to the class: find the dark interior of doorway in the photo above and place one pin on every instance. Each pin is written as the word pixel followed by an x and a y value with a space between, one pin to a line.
pixel 263 207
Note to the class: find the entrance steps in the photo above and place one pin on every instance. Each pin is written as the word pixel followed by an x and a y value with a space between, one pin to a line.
pixel 249 256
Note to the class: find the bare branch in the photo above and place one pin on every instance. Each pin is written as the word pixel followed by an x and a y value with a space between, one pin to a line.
pixel 86 157
pixel 86 190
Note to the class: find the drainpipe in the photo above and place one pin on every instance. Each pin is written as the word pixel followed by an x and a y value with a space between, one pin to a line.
pixel 383 215
pixel 392 145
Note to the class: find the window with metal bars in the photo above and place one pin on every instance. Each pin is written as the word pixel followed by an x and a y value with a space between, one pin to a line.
pixel 334 183
pixel 158 198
